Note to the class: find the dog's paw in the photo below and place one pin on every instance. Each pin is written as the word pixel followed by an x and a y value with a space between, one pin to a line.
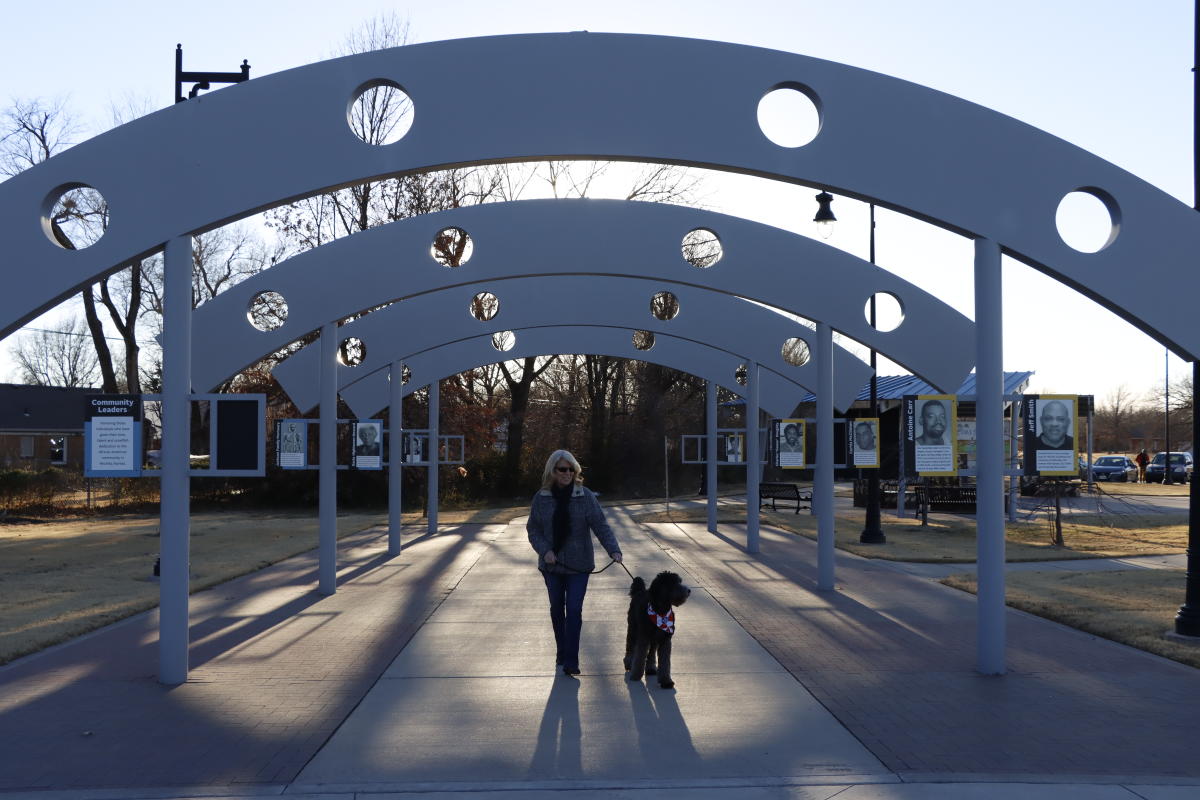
pixel 651 670
pixel 666 684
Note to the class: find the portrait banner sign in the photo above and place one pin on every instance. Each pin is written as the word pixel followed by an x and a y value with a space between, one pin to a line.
pixel 788 440
pixel 862 441
pixel 930 434
pixel 1048 434
pixel 291 443
pixel 112 430
pixel 368 444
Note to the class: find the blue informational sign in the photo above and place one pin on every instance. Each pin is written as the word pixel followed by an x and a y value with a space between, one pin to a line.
pixel 112 435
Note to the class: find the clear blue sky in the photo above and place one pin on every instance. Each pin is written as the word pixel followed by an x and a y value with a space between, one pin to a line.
pixel 1111 77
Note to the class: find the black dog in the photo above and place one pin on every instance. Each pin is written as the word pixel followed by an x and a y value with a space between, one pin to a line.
pixel 651 626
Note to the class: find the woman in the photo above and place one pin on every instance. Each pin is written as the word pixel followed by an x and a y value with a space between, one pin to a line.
pixel 560 518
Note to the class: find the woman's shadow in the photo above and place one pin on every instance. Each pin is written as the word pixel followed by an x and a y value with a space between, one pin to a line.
pixel 559 740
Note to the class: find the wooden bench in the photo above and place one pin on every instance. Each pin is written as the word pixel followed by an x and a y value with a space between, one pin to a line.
pixel 787 492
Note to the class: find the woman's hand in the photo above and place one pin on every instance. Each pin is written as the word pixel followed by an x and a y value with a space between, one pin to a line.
pixel 615 557
pixel 549 557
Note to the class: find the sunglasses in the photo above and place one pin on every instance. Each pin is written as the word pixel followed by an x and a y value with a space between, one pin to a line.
pixel 564 469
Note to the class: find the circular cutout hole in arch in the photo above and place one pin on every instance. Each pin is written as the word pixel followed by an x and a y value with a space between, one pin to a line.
pixel 484 306
pixel 380 112
pixel 790 115
pixel 267 311
pixel 452 247
pixel 405 375
pixel 702 248
pixel 889 312
pixel 643 340
pixel 664 306
pixel 351 352
pixel 1088 219
pixel 741 374
pixel 75 216
pixel 795 351
pixel 504 341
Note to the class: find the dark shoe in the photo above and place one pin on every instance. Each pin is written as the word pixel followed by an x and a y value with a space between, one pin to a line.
pixel 558 660
pixel 572 671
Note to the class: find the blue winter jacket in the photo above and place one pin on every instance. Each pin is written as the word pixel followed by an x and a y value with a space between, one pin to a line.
pixel 576 554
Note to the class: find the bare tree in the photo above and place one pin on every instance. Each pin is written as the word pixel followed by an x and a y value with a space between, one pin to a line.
pixel 34 130
pixel 57 356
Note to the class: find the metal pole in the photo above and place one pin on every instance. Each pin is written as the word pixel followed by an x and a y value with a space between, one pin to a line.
pixel 175 498
pixel 327 471
pixel 872 532
pixel 823 483
pixel 1090 444
pixel 989 426
pixel 710 449
pixel 1014 481
pixel 435 403
pixel 752 457
pixel 667 473
pixel 1187 620
pixel 1167 415
pixel 395 457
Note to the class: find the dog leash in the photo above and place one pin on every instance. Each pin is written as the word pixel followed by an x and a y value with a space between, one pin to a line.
pixel 596 571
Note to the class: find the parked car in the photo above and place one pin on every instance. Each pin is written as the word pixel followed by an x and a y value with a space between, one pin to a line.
pixel 1114 468
pixel 1181 467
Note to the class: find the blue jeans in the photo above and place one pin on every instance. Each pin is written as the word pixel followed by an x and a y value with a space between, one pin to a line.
pixel 566 613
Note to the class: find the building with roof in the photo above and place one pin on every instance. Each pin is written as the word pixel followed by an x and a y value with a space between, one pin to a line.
pixel 41 426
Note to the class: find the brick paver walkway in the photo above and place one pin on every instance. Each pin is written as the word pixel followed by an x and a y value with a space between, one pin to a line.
pixel 893 658
pixel 276 667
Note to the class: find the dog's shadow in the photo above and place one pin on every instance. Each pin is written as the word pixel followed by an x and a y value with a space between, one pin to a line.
pixel 661 727
pixel 560 738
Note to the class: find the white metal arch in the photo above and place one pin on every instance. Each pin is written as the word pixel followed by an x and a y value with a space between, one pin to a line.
pixel 222 156
pixel 432 320
pixel 639 241
pixel 370 394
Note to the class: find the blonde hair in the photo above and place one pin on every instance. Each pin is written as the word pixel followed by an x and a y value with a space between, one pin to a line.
pixel 552 462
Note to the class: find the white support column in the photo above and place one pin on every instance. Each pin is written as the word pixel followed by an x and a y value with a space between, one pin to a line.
pixel 710 449
pixel 752 457
pixel 175 502
pixel 395 456
pixel 823 478
pixel 327 474
pixel 435 403
pixel 989 425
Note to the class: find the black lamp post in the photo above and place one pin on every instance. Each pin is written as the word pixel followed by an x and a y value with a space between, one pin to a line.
pixel 872 532
pixel 1187 620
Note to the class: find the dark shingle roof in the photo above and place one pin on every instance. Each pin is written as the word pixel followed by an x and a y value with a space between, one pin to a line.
pixel 42 408
pixel 894 387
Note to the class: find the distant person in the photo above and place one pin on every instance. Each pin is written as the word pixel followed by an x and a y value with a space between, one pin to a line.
pixel 864 436
pixel 791 439
pixel 368 441
pixel 933 424
pixel 1056 427
pixel 1142 460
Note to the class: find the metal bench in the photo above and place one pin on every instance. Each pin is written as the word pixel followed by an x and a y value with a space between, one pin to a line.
pixel 787 492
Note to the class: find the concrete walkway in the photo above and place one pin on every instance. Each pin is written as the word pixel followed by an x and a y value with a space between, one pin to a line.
pixel 432 675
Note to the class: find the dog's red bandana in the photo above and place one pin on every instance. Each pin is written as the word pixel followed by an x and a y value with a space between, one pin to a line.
pixel 662 622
